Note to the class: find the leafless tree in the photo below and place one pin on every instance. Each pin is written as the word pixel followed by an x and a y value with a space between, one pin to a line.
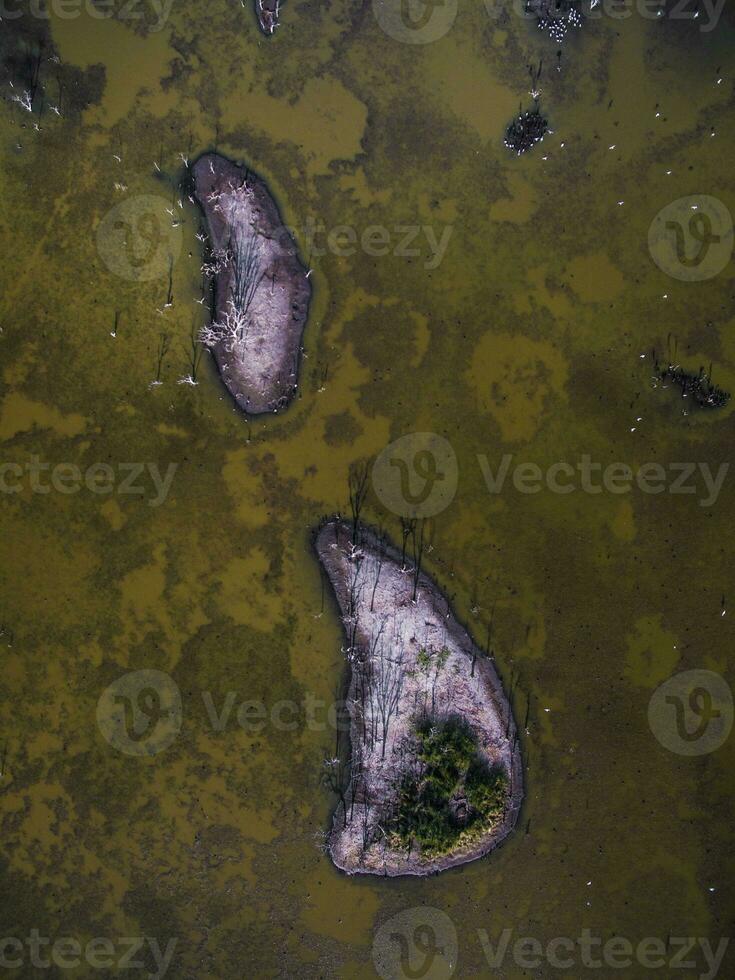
pixel 358 487
pixel 194 355
pixel 334 773
pixel 170 293
pixel 164 343
pixel 366 811
pixel 246 263
pixel 380 550
pixel 418 554
pixel 408 528
pixel 389 677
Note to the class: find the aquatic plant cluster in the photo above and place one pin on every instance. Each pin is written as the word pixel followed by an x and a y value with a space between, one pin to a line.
pixel 526 130
pixel 698 386
pixel 452 794
pixel 555 17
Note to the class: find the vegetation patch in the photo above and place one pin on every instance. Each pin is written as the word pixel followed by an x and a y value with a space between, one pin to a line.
pixel 451 795
pixel 699 387
pixel 526 130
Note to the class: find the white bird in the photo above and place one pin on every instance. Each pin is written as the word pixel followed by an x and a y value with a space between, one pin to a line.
pixel 119 159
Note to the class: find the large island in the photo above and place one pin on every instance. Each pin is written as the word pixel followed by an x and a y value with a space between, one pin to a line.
pixel 433 774
pixel 261 288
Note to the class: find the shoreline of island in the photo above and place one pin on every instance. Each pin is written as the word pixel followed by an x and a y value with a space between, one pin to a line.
pixel 261 289
pixel 474 692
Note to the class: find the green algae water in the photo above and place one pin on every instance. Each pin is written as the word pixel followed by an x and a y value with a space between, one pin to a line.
pixel 170 654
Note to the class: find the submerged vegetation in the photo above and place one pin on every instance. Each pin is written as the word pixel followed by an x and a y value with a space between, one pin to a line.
pixel 527 129
pixel 699 387
pixel 451 793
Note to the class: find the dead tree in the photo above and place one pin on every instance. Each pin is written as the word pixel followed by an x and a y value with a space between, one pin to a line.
pixel 380 550
pixel 389 677
pixel 418 554
pixel 358 487
pixel 408 528
pixel 194 352
pixel 334 775
pixel 164 343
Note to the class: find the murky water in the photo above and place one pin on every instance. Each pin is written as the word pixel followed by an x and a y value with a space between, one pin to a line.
pixel 522 336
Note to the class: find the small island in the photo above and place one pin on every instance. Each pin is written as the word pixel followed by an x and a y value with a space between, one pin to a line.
pixel 262 290
pixel 433 774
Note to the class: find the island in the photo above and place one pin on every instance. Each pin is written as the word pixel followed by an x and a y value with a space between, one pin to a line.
pixel 261 288
pixel 268 12
pixel 432 777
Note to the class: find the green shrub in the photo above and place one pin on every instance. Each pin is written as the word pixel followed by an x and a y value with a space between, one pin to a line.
pixel 451 795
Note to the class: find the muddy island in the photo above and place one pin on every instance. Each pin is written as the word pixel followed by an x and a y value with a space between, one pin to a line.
pixel 268 12
pixel 261 288
pixel 433 777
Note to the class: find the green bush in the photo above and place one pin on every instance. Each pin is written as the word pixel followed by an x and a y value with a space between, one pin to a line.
pixel 452 795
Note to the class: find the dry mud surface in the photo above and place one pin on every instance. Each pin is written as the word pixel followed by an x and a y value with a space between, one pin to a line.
pixel 384 625
pixel 262 292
